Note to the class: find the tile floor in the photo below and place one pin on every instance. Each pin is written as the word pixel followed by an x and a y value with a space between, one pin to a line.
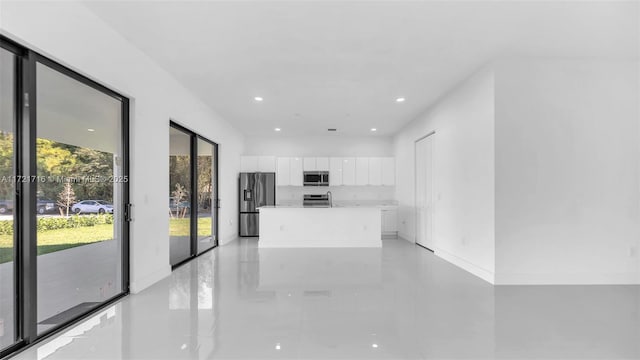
pixel 398 302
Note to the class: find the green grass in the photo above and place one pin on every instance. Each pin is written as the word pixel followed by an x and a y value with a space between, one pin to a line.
pixel 180 227
pixel 60 239
pixel 55 240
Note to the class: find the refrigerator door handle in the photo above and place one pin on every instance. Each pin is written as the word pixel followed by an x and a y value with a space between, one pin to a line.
pixel 259 185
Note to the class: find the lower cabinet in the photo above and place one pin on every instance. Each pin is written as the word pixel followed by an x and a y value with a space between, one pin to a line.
pixel 389 223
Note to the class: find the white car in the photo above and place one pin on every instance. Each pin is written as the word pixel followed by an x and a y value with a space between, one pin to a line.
pixel 92 206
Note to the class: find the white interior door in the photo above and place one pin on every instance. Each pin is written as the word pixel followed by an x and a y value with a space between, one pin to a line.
pixel 424 192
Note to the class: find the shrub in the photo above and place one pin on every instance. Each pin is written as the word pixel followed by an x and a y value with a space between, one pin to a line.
pixel 54 223
pixel 6 227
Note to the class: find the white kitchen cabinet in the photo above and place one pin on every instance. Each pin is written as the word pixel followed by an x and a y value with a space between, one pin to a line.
pixel 348 171
pixel 249 163
pixel 388 171
pixel 375 171
pixel 295 171
pixel 309 164
pixel 362 171
pixel 389 222
pixel 322 164
pixel 335 171
pixel 267 164
pixel 316 164
pixel 283 171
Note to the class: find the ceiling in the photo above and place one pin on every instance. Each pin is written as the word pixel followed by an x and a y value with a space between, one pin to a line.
pixel 342 64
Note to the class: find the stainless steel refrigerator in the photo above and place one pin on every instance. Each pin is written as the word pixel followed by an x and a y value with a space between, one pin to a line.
pixel 256 189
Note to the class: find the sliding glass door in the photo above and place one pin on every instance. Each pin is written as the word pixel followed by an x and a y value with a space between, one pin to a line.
pixel 64 208
pixel 180 180
pixel 193 193
pixel 79 197
pixel 7 194
pixel 207 187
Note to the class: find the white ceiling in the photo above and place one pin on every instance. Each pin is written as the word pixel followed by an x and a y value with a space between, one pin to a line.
pixel 322 64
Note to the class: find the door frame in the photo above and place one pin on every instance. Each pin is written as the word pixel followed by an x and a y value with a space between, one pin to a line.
pixel 415 187
pixel 25 198
pixel 193 196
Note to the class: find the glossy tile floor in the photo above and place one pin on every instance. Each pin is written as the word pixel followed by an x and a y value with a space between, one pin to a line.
pixel 398 302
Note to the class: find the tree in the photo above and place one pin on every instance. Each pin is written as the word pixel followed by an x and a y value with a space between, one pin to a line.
pixel 53 159
pixel 178 195
pixel 6 166
pixel 204 181
pixel 93 164
pixel 66 198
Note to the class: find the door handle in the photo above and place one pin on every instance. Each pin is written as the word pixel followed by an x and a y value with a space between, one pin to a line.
pixel 127 212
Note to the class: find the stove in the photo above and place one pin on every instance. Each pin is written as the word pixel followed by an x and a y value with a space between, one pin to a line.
pixel 316 200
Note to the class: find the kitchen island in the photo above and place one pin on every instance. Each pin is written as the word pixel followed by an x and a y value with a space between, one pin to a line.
pixel 309 227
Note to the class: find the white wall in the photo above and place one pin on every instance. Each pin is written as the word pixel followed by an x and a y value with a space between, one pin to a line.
pixel 327 145
pixel 74 36
pixel 567 171
pixel 463 174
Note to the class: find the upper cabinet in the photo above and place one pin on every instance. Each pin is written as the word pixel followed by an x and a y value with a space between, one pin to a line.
pixel 388 171
pixel 295 171
pixel 349 171
pixel 335 171
pixel 258 164
pixel 283 171
pixel 375 171
pixel 316 164
pixel 362 171
pixel 267 164
pixel 309 164
pixel 322 164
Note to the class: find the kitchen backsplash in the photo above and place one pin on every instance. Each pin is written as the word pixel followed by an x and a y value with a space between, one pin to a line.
pixel 293 194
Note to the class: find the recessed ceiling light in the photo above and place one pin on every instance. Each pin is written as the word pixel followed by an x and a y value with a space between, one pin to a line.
pixel 374 129
pixel 374 346
pixel 400 99
pixel 277 129
pixel 258 98
pixel 91 130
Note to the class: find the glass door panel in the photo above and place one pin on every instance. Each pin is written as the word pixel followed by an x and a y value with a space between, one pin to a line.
pixel 179 196
pixel 206 238
pixel 7 191
pixel 79 197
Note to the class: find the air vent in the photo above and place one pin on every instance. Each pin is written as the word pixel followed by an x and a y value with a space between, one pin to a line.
pixel 332 129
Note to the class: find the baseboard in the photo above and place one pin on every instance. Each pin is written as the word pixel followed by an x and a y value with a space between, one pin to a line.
pixel 568 279
pixel 144 282
pixel 474 269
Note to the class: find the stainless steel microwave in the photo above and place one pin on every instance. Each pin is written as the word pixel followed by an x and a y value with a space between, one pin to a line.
pixel 315 178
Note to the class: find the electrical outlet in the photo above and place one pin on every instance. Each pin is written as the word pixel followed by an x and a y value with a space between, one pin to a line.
pixel 231 222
